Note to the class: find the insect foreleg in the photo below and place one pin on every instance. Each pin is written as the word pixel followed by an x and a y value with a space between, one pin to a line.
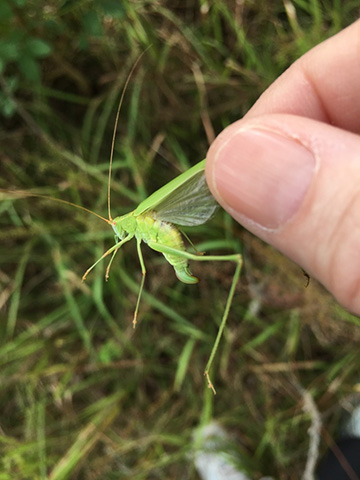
pixel 237 258
pixel 114 249
pixel 143 271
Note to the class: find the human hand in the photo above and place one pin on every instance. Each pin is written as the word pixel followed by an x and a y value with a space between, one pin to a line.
pixel 289 171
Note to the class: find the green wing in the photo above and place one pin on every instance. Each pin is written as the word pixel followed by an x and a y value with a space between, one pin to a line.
pixel 186 200
pixel 189 205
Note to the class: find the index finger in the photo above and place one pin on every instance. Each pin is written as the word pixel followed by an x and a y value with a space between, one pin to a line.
pixel 323 84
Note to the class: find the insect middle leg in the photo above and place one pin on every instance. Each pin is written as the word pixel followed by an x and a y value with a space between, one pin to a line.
pixel 237 258
pixel 143 271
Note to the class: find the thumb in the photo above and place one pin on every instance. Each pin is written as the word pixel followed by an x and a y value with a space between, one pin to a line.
pixel 294 182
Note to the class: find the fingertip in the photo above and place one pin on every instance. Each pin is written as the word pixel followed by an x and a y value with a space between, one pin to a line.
pixel 260 174
pixel 294 182
pixel 212 155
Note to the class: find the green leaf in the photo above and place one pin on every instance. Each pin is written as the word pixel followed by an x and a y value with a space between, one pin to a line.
pixel 54 27
pixel 6 12
pixel 37 47
pixel 92 24
pixel 12 83
pixel 83 43
pixel 9 51
pixel 113 8
pixel 7 106
pixel 30 68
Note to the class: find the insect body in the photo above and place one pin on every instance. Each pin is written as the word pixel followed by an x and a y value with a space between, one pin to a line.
pixel 185 201
pixel 150 229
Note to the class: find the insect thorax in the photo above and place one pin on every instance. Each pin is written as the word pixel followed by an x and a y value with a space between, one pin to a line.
pixel 124 225
pixel 148 228
pixel 152 229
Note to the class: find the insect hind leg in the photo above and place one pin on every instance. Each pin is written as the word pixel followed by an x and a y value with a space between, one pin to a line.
pixel 237 258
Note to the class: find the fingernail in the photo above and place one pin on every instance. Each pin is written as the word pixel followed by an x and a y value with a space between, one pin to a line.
pixel 263 176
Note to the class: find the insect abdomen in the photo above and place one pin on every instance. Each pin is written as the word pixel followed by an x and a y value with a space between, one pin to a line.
pixel 169 235
pixel 164 233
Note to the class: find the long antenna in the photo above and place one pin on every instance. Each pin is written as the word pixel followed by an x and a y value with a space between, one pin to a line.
pixel 116 125
pixel 47 197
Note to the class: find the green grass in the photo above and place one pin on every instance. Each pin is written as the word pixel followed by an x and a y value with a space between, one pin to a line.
pixel 83 394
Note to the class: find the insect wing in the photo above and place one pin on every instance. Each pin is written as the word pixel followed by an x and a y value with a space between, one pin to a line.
pixel 186 200
pixel 190 204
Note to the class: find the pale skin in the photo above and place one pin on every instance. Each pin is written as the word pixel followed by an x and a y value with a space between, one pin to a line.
pixel 289 171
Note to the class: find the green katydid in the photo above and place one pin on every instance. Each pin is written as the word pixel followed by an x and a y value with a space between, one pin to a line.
pixel 185 201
